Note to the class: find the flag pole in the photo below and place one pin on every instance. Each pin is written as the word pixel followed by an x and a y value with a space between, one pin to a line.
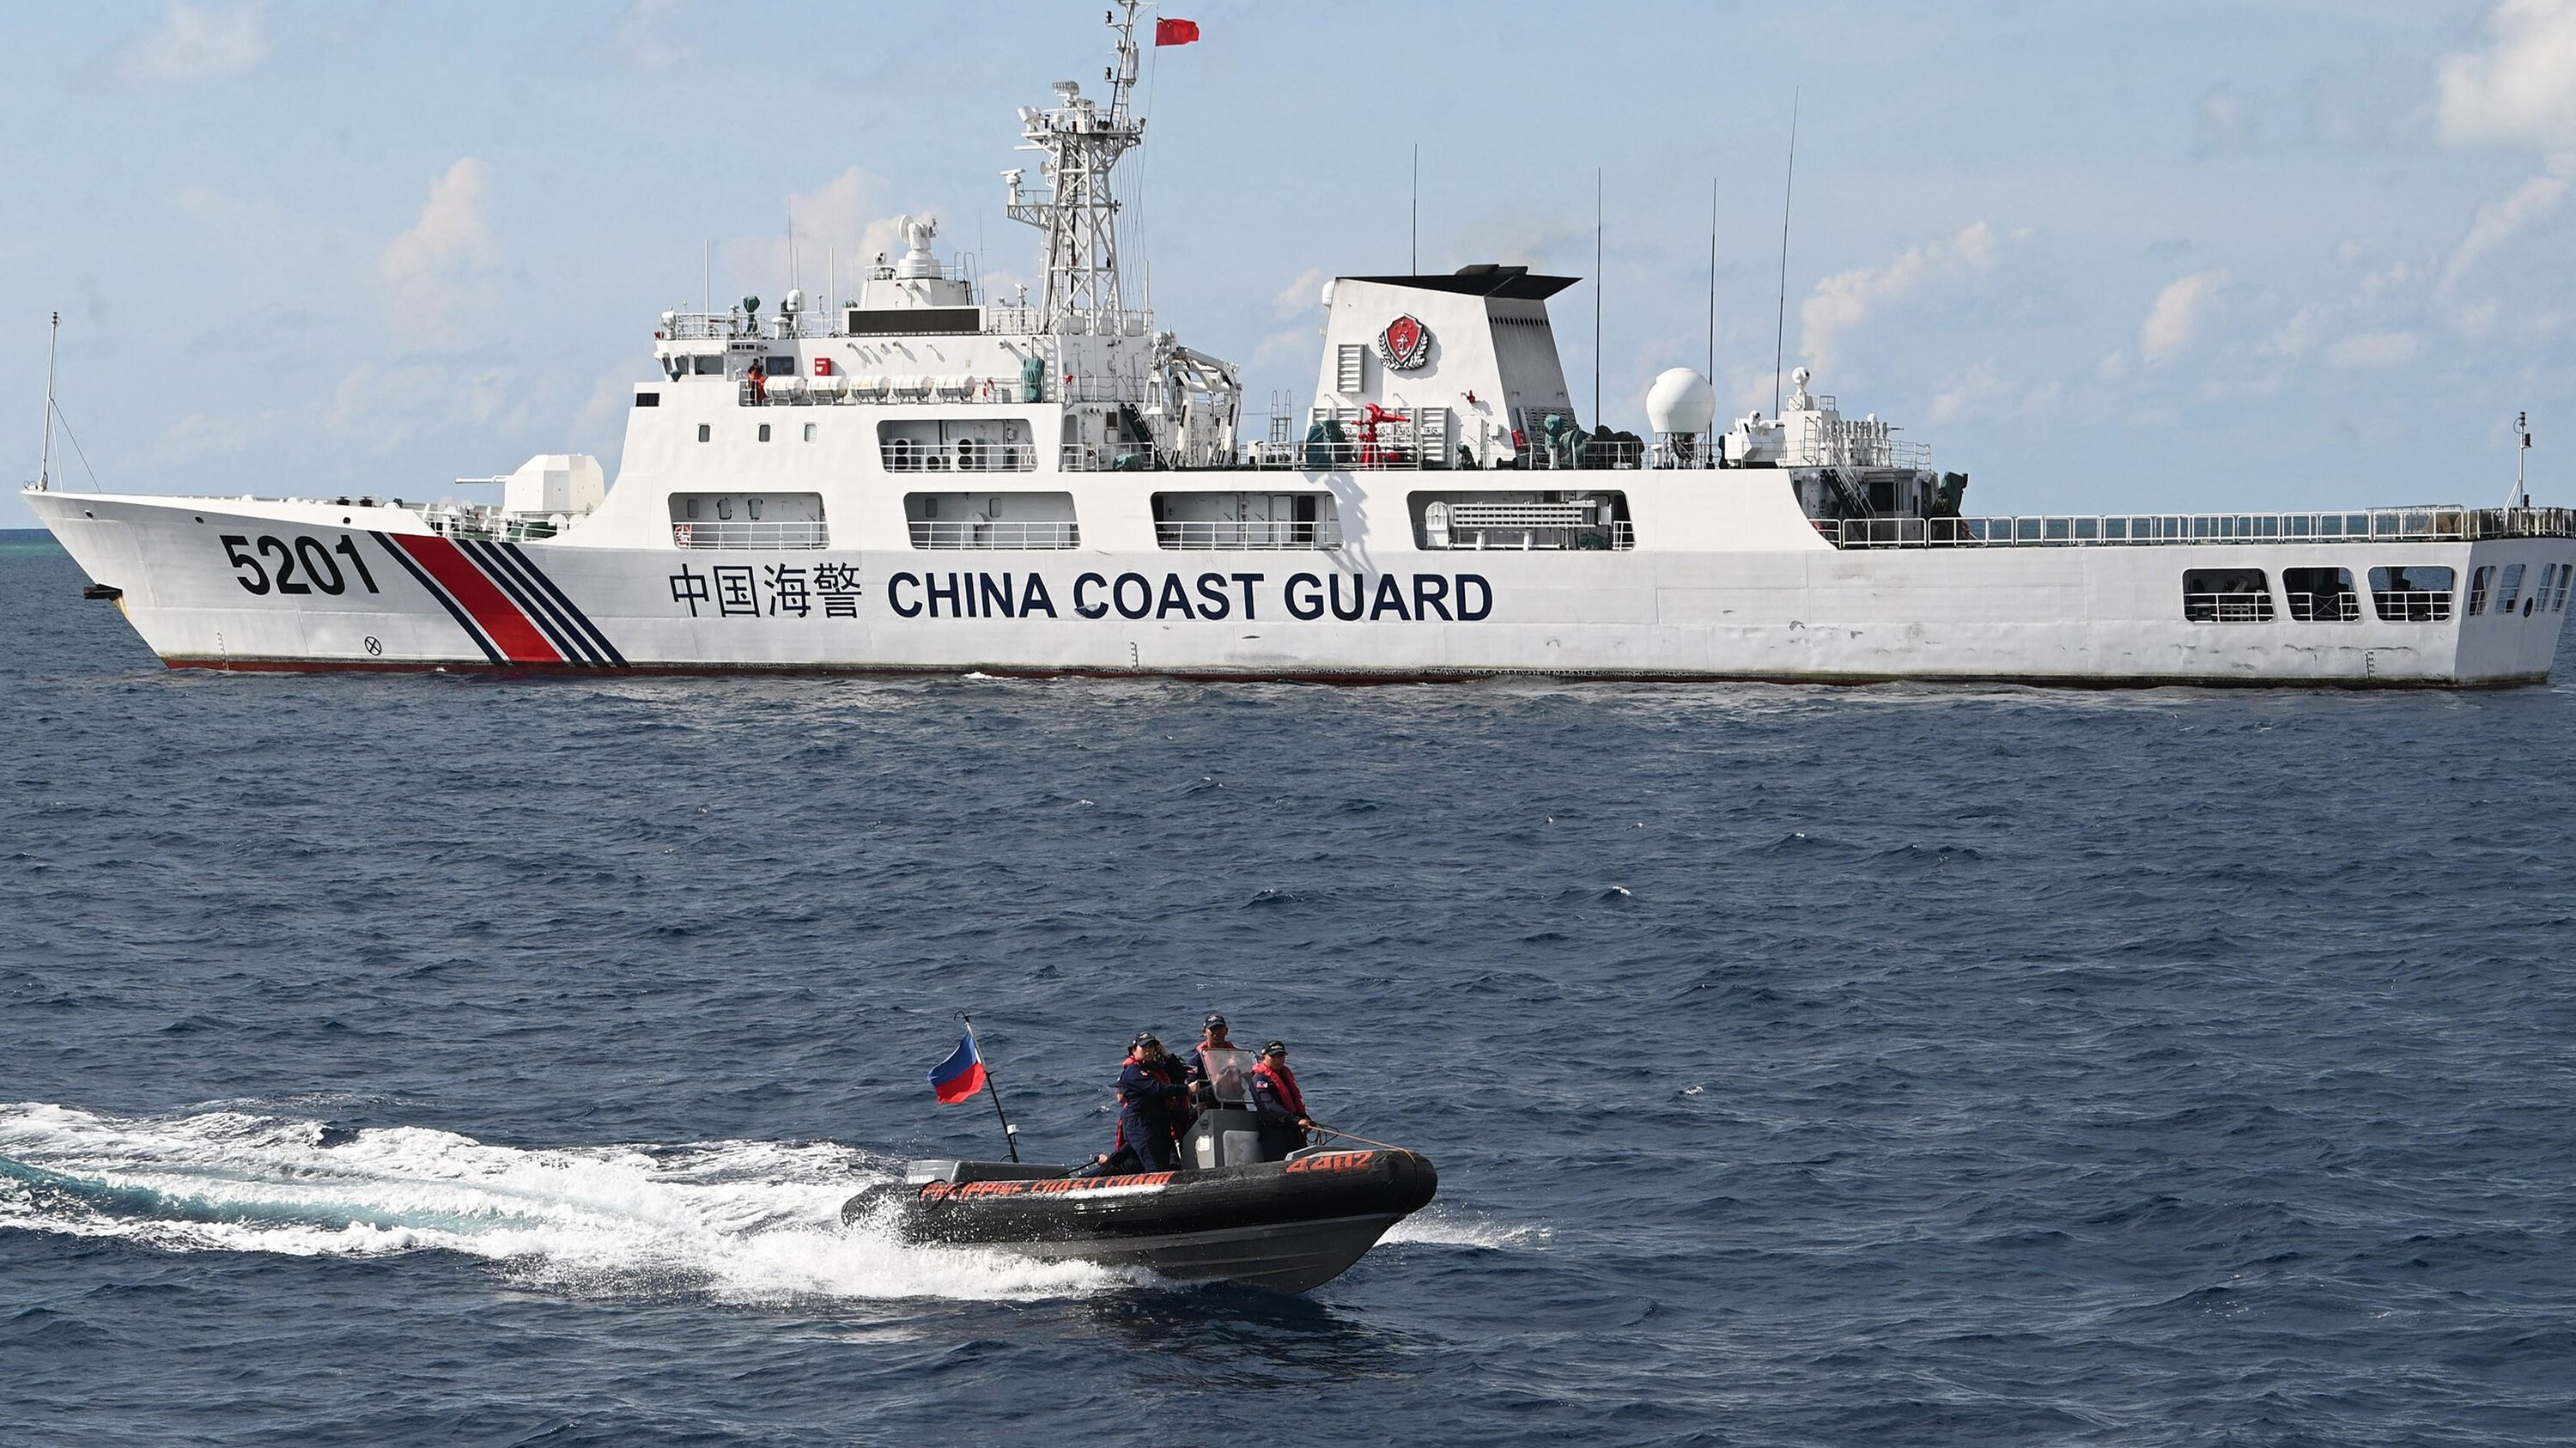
pixel 1010 1133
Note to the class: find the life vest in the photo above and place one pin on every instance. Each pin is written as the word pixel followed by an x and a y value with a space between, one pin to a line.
pixel 1283 1081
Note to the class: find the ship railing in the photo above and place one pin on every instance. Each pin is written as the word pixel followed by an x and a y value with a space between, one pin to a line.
pixel 812 533
pixel 1007 536
pixel 970 455
pixel 2436 523
pixel 1234 536
pixel 854 389
pixel 2227 607
pixel 2412 605
pixel 1502 538
pixel 2341 607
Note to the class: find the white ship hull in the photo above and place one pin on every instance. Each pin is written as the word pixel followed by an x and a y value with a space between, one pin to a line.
pixel 411 599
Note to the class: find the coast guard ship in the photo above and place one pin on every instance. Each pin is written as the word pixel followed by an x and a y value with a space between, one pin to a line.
pixel 924 477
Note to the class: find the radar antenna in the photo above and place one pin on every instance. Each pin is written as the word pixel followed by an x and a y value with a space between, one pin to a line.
pixel 1082 143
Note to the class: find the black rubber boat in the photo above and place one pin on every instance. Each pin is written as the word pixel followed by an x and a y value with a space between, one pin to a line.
pixel 1289 1225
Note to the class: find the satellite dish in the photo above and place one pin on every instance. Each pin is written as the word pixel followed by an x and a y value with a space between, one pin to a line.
pixel 751 306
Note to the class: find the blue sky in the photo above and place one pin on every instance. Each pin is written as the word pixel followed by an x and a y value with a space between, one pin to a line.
pixel 2100 256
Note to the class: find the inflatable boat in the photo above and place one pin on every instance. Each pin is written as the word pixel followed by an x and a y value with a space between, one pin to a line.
pixel 1289 1224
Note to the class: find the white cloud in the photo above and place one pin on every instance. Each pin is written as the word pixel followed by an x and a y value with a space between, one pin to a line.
pixel 2520 89
pixel 1303 294
pixel 1981 384
pixel 195 42
pixel 1842 301
pixel 2226 120
pixel 646 33
pixel 2498 220
pixel 198 434
pixel 2374 349
pixel 2175 317
pixel 840 228
pixel 438 274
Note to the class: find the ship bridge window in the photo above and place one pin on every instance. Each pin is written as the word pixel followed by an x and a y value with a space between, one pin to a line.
pixel 2481 583
pixel 992 520
pixel 648 399
pixel 2564 571
pixel 1233 521
pixel 2420 593
pixel 2509 592
pixel 766 520
pixel 2321 595
pixel 957 445
pixel 2226 595
pixel 708 365
pixel 1524 519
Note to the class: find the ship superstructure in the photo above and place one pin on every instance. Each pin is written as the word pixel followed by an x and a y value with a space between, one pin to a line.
pixel 920 476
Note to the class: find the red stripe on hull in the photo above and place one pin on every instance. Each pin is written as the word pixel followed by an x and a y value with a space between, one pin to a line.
pixel 509 629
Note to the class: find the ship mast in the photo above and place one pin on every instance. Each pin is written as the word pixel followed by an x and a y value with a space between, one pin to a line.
pixel 45 467
pixel 1081 143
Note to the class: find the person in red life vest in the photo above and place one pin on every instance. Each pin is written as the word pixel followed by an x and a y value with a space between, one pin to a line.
pixel 1205 1076
pixel 1277 1102
pixel 1153 1103
pixel 759 386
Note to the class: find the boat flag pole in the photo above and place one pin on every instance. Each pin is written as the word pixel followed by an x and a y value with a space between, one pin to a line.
pixel 1010 1133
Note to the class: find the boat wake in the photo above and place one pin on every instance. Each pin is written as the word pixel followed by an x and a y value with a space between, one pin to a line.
pixel 740 1221
pixel 1441 1227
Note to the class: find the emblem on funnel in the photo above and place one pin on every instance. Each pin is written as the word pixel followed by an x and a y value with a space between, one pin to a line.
pixel 1405 344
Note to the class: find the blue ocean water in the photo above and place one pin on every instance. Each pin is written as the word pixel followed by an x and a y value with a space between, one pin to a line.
pixel 1804 1066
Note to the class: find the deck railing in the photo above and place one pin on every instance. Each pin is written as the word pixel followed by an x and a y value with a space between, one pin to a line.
pixel 721 534
pixel 1228 537
pixel 2227 607
pixel 2439 523
pixel 2412 605
pixel 1012 537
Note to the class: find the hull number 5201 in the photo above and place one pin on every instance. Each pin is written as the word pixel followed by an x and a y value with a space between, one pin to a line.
pixel 309 555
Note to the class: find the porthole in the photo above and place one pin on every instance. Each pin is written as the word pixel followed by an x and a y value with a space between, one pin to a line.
pixel 724 508
pixel 764 432
pixel 751 506
pixel 704 432
pixel 809 432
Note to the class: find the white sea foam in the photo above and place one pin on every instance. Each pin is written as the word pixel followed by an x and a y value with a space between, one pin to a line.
pixel 1442 1227
pixel 737 1220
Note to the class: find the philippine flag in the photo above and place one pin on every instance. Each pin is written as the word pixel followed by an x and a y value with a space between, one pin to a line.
pixel 961 1075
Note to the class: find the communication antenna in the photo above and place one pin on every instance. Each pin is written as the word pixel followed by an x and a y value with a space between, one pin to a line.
pixel 1712 279
pixel 1596 298
pixel 2521 424
pixel 1780 323
pixel 710 303
pixel 45 463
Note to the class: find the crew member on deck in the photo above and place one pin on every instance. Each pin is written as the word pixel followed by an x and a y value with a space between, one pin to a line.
pixel 1153 1103
pixel 1204 1076
pixel 1278 1103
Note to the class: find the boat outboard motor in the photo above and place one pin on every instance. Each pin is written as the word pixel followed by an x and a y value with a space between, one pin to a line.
pixel 1227 1133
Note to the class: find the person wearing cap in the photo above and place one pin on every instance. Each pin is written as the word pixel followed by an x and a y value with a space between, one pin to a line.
pixel 1153 1103
pixel 1203 1074
pixel 1278 1103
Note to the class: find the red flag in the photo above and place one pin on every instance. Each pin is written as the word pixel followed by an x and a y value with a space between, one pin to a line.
pixel 1175 32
